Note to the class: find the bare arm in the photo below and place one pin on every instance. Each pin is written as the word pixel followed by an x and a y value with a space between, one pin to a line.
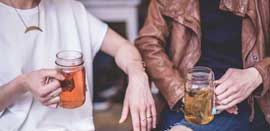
pixel 138 99
pixel 126 55
pixel 34 82
pixel 9 93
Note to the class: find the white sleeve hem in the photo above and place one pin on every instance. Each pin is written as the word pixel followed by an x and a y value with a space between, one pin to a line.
pixel 103 33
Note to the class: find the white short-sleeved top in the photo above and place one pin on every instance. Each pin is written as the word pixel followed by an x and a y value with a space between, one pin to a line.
pixel 66 25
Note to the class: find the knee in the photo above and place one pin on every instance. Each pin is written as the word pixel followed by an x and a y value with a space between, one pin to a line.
pixel 180 128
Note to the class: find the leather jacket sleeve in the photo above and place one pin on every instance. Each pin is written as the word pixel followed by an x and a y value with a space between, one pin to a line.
pixel 264 69
pixel 151 44
pixel 263 66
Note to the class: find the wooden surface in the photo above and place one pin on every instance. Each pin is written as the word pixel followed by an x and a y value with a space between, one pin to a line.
pixel 108 120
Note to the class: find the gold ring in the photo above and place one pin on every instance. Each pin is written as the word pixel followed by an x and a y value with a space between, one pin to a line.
pixel 148 116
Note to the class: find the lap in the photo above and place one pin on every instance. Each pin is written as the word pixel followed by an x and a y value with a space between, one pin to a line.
pixel 221 122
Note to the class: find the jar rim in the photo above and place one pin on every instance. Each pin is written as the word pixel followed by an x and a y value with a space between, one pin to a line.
pixel 80 55
pixel 70 57
pixel 200 68
pixel 203 69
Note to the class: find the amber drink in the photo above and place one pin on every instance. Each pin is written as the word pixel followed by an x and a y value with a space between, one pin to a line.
pixel 199 96
pixel 70 64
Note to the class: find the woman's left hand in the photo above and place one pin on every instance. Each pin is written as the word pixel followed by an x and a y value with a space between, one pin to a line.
pixel 139 101
pixel 235 86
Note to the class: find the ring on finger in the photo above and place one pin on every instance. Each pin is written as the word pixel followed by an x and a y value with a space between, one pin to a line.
pixel 149 116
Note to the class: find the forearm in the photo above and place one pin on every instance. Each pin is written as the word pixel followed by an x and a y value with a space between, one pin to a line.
pixel 9 92
pixel 129 59
pixel 125 54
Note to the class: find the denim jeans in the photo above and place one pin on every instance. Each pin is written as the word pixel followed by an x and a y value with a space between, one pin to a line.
pixel 221 122
pixel 259 123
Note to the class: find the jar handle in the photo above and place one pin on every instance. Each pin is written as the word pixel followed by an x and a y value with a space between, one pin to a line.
pixel 214 109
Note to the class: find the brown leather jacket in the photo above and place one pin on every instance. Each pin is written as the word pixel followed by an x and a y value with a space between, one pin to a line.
pixel 170 43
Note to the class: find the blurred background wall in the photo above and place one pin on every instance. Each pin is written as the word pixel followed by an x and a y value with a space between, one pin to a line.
pixel 125 17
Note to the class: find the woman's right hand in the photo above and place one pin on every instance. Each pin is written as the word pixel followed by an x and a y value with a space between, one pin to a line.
pixel 44 85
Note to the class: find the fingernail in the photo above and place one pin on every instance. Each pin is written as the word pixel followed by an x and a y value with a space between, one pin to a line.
pixel 120 121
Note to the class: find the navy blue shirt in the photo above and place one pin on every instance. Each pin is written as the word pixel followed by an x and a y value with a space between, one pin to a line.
pixel 221 38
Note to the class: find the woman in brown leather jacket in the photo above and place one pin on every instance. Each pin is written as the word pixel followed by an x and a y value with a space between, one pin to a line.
pixel 229 36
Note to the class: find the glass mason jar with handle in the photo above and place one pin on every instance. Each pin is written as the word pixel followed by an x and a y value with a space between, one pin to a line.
pixel 199 95
pixel 70 63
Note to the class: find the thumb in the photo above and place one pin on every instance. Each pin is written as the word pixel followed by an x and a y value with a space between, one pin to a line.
pixel 124 114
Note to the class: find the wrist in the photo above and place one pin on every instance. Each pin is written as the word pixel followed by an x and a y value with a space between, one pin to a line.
pixel 135 68
pixel 20 84
pixel 257 76
pixel 137 72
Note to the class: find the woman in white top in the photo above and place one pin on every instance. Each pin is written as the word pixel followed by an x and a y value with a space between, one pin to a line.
pixel 31 33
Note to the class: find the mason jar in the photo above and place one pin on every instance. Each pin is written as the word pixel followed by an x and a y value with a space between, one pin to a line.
pixel 71 64
pixel 199 95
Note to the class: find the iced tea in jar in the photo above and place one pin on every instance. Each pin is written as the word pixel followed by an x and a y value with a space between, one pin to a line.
pixel 70 63
pixel 199 95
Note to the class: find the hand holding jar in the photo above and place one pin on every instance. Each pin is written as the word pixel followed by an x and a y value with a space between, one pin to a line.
pixel 37 83
pixel 70 64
